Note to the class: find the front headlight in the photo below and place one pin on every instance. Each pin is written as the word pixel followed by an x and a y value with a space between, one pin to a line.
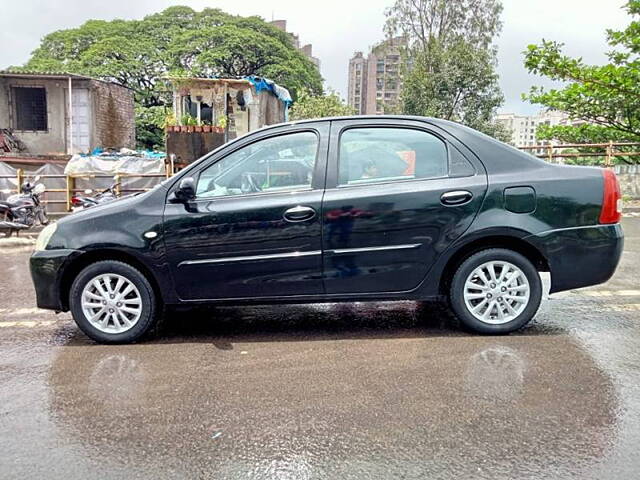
pixel 45 235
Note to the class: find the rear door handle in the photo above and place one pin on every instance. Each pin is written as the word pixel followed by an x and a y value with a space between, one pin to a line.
pixel 299 214
pixel 456 197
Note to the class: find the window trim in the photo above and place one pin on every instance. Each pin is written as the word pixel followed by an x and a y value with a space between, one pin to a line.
pixel 386 181
pixel 254 194
pixel 14 107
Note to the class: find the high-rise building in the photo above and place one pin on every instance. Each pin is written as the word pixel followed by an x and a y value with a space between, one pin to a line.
pixel 375 81
pixel 306 50
pixel 358 83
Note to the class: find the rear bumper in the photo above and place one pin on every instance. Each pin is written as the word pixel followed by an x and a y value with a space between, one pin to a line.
pixel 47 269
pixel 581 256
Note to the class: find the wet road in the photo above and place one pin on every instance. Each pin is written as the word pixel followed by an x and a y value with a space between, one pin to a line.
pixel 326 391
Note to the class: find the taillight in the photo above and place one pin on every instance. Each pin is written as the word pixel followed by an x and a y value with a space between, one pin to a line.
pixel 75 201
pixel 612 199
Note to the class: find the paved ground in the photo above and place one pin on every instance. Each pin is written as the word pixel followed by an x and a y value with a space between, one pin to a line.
pixel 327 391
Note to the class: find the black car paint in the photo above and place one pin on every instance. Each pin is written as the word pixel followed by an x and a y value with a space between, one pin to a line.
pixel 562 228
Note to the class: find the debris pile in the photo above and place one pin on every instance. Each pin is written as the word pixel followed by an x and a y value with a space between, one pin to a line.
pixel 9 143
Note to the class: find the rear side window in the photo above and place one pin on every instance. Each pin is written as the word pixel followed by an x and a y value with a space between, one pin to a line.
pixel 371 155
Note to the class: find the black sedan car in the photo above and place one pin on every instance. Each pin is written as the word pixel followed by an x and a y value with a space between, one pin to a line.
pixel 338 210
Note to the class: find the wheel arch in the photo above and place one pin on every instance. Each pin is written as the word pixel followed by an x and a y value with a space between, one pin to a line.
pixel 93 256
pixel 508 242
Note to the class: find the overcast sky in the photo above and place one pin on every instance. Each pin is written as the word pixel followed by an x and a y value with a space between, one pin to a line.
pixel 337 28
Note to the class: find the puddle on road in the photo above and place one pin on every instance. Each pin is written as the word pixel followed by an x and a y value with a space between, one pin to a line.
pixel 369 399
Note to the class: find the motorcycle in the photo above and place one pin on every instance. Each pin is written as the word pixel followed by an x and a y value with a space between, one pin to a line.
pixel 25 209
pixel 80 202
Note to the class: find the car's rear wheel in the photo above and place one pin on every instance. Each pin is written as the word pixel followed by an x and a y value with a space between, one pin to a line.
pixel 495 291
pixel 112 302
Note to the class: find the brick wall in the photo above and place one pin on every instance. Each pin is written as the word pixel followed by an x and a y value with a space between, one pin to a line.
pixel 114 113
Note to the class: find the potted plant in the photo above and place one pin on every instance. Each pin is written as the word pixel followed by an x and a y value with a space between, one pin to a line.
pixel 221 125
pixel 170 123
pixel 188 123
pixel 206 126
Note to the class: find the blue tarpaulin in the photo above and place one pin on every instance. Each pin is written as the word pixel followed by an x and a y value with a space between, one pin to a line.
pixel 280 92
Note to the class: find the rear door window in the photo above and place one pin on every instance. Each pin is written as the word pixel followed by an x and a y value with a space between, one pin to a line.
pixel 384 154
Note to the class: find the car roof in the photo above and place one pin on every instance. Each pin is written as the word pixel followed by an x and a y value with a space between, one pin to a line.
pixel 361 117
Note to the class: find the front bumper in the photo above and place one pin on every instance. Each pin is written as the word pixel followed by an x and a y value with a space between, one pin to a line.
pixel 47 271
pixel 582 256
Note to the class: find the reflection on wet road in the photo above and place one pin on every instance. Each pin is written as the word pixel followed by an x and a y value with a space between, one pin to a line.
pixel 326 391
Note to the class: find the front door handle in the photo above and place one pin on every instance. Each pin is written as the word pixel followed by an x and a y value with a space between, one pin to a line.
pixel 299 214
pixel 456 197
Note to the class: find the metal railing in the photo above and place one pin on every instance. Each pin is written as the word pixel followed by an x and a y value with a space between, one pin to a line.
pixel 609 151
pixel 70 184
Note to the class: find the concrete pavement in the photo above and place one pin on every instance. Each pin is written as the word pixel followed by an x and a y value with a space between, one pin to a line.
pixel 326 391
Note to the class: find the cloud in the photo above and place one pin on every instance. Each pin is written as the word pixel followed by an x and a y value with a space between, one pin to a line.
pixel 337 28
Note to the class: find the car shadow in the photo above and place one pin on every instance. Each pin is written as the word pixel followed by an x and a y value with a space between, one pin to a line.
pixel 224 326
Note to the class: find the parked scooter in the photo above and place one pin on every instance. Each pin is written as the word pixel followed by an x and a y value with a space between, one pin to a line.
pixel 80 202
pixel 24 210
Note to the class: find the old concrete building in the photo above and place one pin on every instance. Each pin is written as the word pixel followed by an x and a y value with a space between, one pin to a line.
pixel 375 81
pixel 53 114
pixel 212 111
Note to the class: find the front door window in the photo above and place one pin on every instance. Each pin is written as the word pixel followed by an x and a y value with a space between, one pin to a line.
pixel 275 164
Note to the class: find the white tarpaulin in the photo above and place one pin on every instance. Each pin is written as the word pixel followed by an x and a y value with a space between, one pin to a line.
pixel 81 167
pixel 51 175
pixel 8 180
pixel 113 165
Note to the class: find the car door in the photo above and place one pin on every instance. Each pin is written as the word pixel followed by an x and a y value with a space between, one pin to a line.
pixel 398 193
pixel 254 228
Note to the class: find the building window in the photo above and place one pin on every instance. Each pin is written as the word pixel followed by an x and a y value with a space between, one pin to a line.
pixel 30 108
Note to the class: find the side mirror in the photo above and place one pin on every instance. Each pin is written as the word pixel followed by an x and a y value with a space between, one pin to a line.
pixel 186 190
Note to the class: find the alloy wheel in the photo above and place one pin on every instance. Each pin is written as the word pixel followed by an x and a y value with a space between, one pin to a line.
pixel 111 303
pixel 496 292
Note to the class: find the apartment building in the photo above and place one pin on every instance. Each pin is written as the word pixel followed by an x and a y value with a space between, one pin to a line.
pixel 375 80
pixel 306 49
pixel 524 127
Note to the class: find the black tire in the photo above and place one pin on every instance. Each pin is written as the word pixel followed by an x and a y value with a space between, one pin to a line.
pixel 150 308
pixel 456 292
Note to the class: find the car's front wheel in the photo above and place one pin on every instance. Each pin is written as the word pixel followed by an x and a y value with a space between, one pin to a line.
pixel 495 291
pixel 112 302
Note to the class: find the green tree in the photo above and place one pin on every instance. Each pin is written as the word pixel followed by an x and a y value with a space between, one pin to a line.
pixel 138 54
pixel 450 60
pixel 458 83
pixel 317 106
pixel 446 21
pixel 607 96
